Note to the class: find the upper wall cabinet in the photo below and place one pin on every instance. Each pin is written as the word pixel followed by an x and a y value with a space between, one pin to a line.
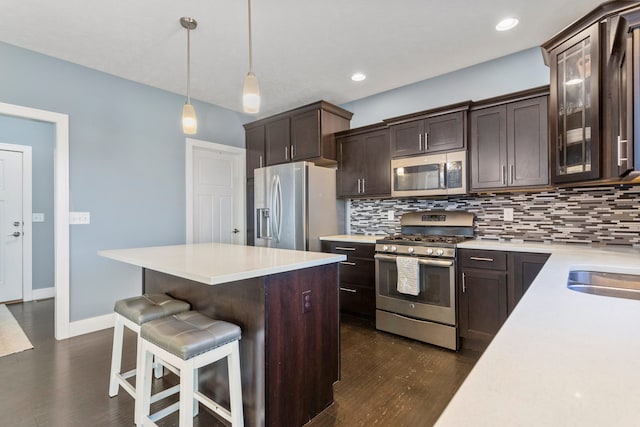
pixel 592 98
pixel 364 167
pixel 255 149
pixel 429 131
pixel 306 133
pixel 508 142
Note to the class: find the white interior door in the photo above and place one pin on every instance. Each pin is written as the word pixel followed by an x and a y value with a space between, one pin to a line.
pixel 217 194
pixel 11 226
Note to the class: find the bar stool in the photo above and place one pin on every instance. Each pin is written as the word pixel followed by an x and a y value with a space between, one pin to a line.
pixel 189 341
pixel 133 312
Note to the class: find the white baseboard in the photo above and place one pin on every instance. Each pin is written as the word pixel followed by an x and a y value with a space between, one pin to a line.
pixel 93 324
pixel 43 293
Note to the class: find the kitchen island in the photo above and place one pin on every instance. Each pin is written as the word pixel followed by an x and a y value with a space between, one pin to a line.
pixel 289 351
pixel 562 358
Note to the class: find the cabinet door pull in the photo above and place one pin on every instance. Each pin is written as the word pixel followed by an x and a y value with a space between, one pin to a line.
pixel 293 151
pixel 620 158
pixel 363 186
pixel 347 263
pixel 426 141
pixel 478 258
pixel 419 142
pixel 504 173
pixel 464 283
pixel 261 160
pixel 359 186
pixel 343 248
pixel 511 173
pixel 286 153
pixel 353 291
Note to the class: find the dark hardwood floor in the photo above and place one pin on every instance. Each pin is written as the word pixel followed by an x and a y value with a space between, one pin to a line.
pixel 386 380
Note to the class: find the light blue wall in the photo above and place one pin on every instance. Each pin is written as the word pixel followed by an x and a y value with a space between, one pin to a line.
pixel 519 71
pixel 127 164
pixel 40 136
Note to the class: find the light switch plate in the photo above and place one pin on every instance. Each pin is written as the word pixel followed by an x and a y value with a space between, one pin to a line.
pixel 390 214
pixel 37 217
pixel 508 214
pixel 79 217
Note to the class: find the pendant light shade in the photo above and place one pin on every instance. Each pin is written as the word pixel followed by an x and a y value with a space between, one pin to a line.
pixel 251 94
pixel 189 119
pixel 251 90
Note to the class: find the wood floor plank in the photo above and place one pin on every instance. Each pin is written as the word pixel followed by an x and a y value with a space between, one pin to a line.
pixel 385 380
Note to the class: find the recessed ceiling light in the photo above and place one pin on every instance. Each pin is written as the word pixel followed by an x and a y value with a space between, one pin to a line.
pixel 507 24
pixel 358 77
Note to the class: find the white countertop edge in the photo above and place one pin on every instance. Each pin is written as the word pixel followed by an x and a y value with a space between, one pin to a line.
pixel 301 260
pixel 352 238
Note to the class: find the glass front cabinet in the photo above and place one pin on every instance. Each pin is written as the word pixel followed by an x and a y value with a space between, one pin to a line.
pixel 574 108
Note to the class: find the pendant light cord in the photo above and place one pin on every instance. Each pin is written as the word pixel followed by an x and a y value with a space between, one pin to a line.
pixel 250 44
pixel 188 65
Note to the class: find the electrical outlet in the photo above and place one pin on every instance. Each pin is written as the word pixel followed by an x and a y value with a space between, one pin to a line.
pixel 508 214
pixel 37 217
pixel 79 217
pixel 306 301
pixel 390 214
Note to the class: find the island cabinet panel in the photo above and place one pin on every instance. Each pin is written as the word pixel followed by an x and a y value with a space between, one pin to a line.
pixel 357 277
pixel 490 285
pixel 509 143
pixel 289 354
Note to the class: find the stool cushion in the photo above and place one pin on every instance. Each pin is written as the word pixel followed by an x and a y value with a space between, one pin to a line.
pixel 190 333
pixel 148 307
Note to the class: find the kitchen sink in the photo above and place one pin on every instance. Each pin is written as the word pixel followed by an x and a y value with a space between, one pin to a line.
pixel 607 284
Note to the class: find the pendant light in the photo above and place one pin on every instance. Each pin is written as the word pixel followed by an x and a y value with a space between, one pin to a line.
pixel 251 91
pixel 189 119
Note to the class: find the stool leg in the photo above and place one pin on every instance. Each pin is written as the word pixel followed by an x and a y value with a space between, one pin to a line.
pixel 116 355
pixel 235 386
pixel 143 384
pixel 187 388
pixel 196 385
pixel 158 370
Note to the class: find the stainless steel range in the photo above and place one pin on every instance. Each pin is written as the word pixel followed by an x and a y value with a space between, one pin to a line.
pixel 416 277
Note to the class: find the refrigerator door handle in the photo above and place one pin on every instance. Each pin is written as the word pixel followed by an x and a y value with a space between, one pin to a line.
pixel 279 208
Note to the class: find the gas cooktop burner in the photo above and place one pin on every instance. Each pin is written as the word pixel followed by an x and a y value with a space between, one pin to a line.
pixel 415 238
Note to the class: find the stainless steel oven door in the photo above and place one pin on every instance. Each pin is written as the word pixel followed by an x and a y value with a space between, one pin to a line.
pixel 436 300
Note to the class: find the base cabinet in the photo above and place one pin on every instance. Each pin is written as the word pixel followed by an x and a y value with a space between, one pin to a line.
pixel 357 277
pixel 490 285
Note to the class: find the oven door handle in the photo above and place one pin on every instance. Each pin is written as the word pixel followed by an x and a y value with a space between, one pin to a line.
pixel 422 261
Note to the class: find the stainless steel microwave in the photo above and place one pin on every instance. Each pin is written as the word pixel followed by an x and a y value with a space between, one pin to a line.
pixel 429 175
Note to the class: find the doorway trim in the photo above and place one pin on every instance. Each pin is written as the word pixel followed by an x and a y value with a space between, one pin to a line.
pixel 60 206
pixel 27 244
pixel 191 144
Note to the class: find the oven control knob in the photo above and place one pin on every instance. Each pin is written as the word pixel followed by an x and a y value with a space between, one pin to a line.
pixel 393 249
pixel 410 250
pixel 429 251
pixel 385 248
pixel 439 252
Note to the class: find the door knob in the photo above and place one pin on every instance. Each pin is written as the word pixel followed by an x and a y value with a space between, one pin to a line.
pixel 235 231
pixel 16 234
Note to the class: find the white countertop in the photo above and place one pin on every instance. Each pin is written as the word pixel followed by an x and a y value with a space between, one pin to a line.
pixel 352 238
pixel 215 263
pixel 563 358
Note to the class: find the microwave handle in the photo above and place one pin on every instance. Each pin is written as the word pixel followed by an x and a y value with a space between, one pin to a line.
pixel 443 175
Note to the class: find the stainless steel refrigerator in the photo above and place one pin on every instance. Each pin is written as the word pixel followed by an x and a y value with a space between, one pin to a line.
pixel 295 204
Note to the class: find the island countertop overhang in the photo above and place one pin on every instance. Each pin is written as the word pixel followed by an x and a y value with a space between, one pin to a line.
pixel 217 263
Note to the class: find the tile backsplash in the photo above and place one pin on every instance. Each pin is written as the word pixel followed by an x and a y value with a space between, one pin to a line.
pixel 599 215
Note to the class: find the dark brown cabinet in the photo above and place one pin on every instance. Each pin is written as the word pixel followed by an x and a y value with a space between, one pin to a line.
pixel 490 285
pixel 508 142
pixel 249 210
pixel 364 167
pixel 357 276
pixel 255 149
pixel 594 95
pixel 278 141
pixel 429 131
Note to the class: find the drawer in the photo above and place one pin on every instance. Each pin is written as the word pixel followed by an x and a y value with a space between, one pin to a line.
pixel 362 250
pixel 475 258
pixel 358 300
pixel 358 271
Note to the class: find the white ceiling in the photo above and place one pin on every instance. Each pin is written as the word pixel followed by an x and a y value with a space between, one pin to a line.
pixel 303 50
